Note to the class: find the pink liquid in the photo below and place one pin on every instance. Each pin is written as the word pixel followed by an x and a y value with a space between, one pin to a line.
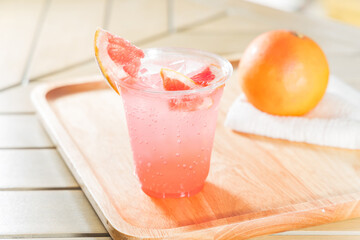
pixel 171 135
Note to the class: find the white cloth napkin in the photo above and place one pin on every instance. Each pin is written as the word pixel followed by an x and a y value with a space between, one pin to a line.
pixel 335 121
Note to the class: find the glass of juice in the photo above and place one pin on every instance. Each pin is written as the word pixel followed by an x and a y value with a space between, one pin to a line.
pixel 172 132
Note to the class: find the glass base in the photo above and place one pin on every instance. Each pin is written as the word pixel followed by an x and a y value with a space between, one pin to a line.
pixel 172 195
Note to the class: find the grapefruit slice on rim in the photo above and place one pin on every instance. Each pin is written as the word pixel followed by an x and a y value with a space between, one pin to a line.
pixel 118 59
pixel 175 81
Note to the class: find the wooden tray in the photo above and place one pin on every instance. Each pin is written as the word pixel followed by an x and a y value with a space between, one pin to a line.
pixel 256 185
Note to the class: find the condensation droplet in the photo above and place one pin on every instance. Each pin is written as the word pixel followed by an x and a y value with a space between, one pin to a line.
pixel 164 162
pixel 148 164
pixel 184 165
pixel 177 154
pixel 179 141
pixel 190 167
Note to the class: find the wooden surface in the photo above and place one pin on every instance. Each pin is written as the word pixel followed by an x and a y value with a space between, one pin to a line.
pixel 28 39
pixel 67 212
pixel 14 59
pixel 30 164
pixel 253 181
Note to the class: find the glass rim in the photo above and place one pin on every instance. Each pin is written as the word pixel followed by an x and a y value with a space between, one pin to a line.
pixel 224 64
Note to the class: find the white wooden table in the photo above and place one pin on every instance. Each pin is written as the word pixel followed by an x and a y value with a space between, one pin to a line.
pixel 47 40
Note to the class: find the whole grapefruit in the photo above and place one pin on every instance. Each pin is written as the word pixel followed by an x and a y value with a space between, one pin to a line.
pixel 283 73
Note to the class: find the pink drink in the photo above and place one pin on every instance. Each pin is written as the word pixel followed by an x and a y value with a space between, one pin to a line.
pixel 172 132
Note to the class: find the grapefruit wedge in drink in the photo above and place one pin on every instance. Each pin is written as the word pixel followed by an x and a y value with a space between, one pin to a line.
pixel 171 98
pixel 175 81
pixel 207 75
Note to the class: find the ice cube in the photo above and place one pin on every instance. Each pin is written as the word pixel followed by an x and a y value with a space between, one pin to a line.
pixel 193 66
pixel 178 65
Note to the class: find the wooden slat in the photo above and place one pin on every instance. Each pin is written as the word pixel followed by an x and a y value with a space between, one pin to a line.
pixel 298 22
pixel 231 42
pixel 315 9
pixel 89 68
pixel 22 131
pixel 67 35
pixel 289 6
pixel 125 20
pixel 233 32
pixel 189 12
pixel 75 238
pixel 34 168
pixel 18 21
pixel 139 19
pixel 236 32
pixel 24 213
pixel 17 99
